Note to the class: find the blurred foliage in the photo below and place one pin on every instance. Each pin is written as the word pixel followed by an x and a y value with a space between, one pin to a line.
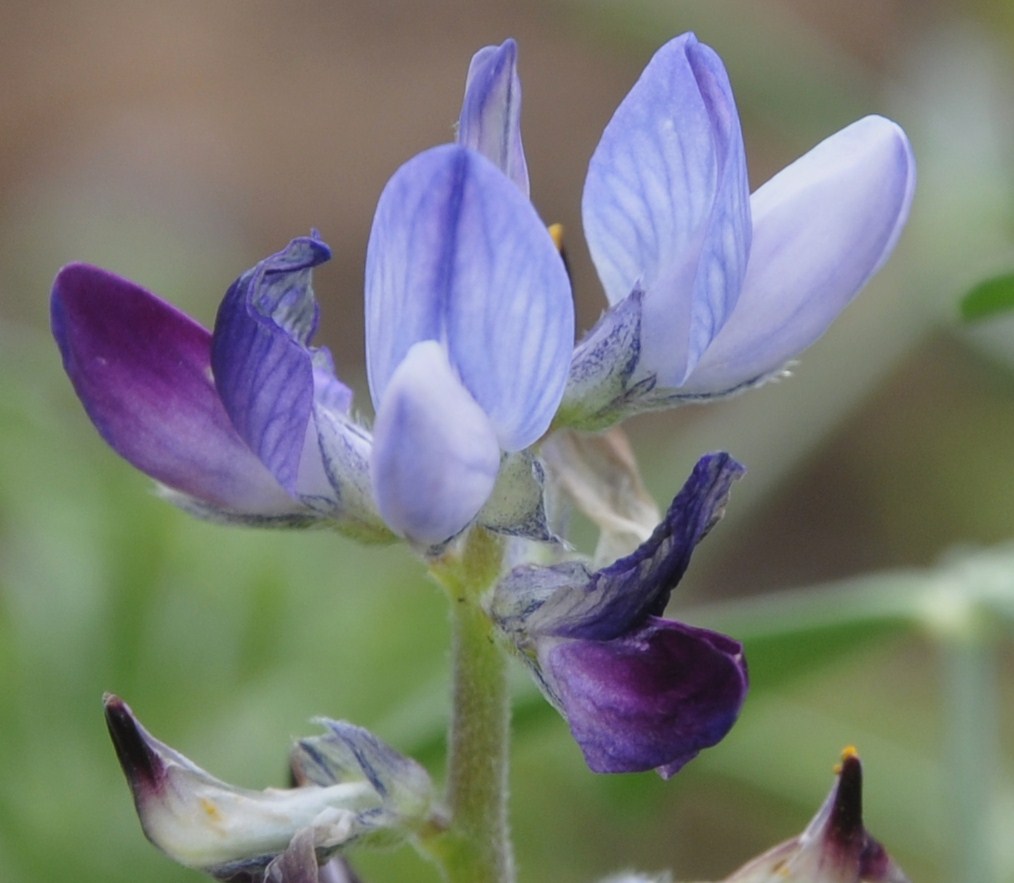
pixel 891 445
pixel 988 298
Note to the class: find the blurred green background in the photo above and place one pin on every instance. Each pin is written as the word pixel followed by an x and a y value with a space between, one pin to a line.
pixel 863 559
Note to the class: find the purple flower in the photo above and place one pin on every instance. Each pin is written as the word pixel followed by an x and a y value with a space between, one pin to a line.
pixel 248 424
pixel 711 290
pixel 834 848
pixel 469 331
pixel 639 692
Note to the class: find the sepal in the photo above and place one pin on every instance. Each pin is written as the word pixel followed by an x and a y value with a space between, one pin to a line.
pixel 345 450
pixel 347 753
pixel 570 600
pixel 601 388
pixel 517 506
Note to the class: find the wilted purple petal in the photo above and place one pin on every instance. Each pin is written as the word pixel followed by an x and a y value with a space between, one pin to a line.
pixel 624 593
pixel 651 699
pixel 822 227
pixel 458 255
pixel 490 120
pixel 666 205
pixel 639 692
pixel 435 454
pixel 263 367
pixel 142 370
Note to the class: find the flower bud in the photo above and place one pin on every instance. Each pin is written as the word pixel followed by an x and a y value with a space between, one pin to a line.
pixel 352 788
pixel 834 848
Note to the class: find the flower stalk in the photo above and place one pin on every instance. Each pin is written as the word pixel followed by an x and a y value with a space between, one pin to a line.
pixel 476 846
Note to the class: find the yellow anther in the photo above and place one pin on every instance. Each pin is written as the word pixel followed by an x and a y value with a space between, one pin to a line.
pixel 848 753
pixel 556 231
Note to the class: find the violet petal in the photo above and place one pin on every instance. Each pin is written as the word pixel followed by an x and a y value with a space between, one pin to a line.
pixel 263 367
pixel 651 699
pixel 142 370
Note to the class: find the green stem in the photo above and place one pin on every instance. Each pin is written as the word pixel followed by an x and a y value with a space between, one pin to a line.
pixel 476 846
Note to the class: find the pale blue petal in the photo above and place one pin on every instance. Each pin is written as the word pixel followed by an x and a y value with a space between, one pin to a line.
pixel 490 119
pixel 822 227
pixel 435 455
pixel 666 205
pixel 458 255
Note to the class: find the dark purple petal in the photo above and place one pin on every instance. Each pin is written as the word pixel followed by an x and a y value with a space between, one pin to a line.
pixel 621 595
pixel 142 370
pixel 651 699
pixel 263 366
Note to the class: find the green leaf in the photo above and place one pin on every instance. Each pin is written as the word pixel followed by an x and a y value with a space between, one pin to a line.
pixel 988 298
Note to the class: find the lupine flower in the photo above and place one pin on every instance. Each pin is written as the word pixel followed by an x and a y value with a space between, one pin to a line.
pixel 469 331
pixel 469 326
pixel 352 789
pixel 248 424
pixel 711 290
pixel 639 692
pixel 834 848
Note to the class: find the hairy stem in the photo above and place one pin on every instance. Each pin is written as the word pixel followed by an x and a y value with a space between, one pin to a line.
pixel 476 846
